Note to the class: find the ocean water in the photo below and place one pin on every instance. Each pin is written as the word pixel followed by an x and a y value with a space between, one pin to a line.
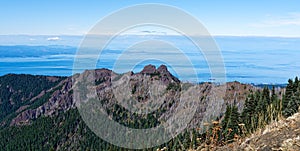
pixel 246 59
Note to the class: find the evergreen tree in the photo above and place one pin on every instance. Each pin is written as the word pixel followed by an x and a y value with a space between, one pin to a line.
pixel 275 105
pixel 262 102
pixel 293 105
pixel 291 100
pixel 295 85
pixel 226 117
pixel 273 95
pixel 248 112
pixel 288 96
pixel 230 124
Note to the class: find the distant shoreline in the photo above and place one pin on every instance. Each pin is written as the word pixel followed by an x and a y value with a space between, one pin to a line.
pixel 260 85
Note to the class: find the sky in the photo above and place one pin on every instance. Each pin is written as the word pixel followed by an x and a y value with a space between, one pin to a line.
pixel 280 18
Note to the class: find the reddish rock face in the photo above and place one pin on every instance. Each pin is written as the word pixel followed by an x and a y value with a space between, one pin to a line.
pixel 162 69
pixel 149 69
pixel 162 72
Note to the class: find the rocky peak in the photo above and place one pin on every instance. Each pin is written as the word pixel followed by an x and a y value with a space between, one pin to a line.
pixel 149 69
pixel 162 69
pixel 162 72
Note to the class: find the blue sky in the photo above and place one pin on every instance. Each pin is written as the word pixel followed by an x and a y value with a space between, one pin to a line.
pixel 237 18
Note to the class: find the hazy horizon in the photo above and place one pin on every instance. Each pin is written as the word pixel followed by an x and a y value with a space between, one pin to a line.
pixel 247 59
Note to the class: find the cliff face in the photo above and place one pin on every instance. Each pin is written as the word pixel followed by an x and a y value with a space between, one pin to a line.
pixel 18 92
pixel 140 87
pixel 60 100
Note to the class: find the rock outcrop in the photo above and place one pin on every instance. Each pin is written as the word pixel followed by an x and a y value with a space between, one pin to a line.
pixel 149 85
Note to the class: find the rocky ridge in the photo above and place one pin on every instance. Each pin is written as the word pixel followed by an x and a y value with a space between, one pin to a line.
pixel 139 88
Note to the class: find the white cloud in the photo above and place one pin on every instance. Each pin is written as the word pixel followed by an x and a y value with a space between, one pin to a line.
pixel 53 39
pixel 149 30
pixel 278 21
pixel 145 32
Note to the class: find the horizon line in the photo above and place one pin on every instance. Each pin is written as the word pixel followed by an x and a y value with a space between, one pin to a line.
pixel 216 35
